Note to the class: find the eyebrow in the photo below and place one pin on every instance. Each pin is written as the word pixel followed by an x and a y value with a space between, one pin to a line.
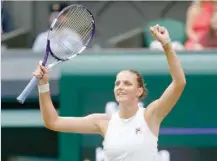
pixel 123 81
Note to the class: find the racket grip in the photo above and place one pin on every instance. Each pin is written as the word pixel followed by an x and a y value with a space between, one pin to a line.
pixel 25 93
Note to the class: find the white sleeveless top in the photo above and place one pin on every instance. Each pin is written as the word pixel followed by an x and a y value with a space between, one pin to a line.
pixel 130 139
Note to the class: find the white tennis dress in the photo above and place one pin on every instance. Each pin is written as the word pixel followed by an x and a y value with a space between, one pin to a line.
pixel 130 139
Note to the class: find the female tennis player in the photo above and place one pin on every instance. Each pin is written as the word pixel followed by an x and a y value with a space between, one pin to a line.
pixel 131 134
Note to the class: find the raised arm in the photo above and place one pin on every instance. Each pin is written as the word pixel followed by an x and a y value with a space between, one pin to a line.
pixel 88 124
pixel 162 106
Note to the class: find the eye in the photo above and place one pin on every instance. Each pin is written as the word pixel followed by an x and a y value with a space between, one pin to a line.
pixel 117 83
pixel 127 83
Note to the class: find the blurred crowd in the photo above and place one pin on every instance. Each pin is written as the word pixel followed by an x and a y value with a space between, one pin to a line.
pixel 6 21
pixel 201 25
pixel 39 44
pixel 200 28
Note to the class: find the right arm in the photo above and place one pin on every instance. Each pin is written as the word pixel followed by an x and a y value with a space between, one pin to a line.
pixel 88 124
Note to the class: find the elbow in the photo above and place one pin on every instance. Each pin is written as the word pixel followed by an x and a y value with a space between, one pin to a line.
pixel 180 84
pixel 183 82
pixel 51 125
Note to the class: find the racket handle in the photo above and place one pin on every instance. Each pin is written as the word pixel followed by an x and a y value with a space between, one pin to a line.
pixel 25 93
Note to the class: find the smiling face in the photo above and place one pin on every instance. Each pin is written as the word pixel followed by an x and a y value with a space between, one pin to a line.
pixel 127 88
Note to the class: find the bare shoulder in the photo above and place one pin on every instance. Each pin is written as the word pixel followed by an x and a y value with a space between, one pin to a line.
pixel 99 116
pixel 101 121
pixel 150 108
pixel 150 118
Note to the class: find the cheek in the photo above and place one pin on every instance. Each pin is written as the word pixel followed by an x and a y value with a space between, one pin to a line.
pixel 115 89
pixel 133 92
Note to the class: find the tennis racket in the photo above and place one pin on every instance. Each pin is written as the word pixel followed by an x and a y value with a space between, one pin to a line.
pixel 69 35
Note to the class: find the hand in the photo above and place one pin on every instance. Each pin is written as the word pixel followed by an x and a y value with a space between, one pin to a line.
pixel 41 73
pixel 161 34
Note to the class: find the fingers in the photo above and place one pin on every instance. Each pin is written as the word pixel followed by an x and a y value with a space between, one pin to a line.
pixel 43 69
pixel 40 62
pixel 160 33
pixel 157 29
pixel 153 30
pixel 162 30
pixel 40 71
pixel 38 74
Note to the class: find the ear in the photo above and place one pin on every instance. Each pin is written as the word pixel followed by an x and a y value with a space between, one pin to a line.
pixel 140 91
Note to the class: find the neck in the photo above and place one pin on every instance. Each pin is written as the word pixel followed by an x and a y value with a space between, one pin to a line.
pixel 128 110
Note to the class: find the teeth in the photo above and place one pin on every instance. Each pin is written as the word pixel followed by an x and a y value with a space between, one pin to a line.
pixel 121 93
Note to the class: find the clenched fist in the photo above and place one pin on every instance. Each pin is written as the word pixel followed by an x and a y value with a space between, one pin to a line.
pixel 161 34
pixel 41 73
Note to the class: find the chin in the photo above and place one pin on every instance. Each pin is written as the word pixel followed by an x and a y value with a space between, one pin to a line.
pixel 122 100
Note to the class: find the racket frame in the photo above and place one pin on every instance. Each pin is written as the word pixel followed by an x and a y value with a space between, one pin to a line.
pixel 33 82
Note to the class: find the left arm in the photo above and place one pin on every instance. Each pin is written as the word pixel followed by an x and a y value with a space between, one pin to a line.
pixel 162 106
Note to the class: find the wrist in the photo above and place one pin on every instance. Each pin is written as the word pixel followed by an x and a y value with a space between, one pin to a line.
pixel 42 88
pixel 42 82
pixel 166 42
pixel 168 47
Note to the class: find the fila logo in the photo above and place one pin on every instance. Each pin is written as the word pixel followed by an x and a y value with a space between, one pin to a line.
pixel 138 131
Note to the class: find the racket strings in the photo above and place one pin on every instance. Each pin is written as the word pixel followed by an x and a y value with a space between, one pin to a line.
pixel 76 25
pixel 79 25
pixel 64 47
pixel 77 13
pixel 75 28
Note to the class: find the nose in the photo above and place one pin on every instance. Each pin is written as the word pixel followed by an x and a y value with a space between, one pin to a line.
pixel 120 87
